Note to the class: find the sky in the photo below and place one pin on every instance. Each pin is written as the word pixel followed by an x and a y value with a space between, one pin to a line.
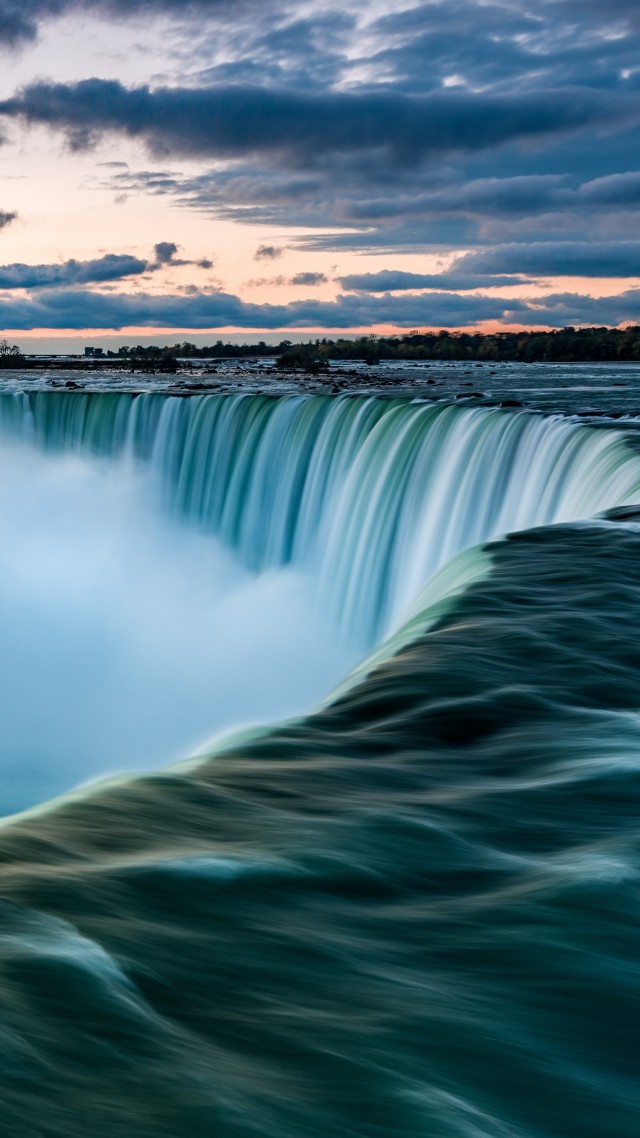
pixel 263 169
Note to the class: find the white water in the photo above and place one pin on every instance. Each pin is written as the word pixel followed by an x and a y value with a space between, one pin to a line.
pixel 128 639
pixel 172 567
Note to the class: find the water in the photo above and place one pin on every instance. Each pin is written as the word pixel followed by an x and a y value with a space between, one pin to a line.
pixel 369 496
pixel 129 639
pixel 591 390
pixel 411 912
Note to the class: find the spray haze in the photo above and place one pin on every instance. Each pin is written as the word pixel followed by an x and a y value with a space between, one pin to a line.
pixel 128 638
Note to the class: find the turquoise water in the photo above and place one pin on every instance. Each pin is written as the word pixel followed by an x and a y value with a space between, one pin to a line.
pixel 413 911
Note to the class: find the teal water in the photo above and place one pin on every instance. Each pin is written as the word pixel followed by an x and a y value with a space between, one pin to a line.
pixel 412 912
pixel 371 496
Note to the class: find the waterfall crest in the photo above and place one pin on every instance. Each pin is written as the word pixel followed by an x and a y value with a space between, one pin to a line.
pixel 373 495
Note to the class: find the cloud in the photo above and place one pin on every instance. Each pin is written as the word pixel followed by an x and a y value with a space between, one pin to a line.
pixel 511 264
pixel 516 197
pixel 481 45
pixel 612 190
pixel 235 121
pixel 308 280
pixel 111 267
pixel 212 311
pixel 6 218
pixel 499 135
pixel 393 207
pixel 557 258
pixel 398 281
pixel 268 253
pixel 300 280
pixel 20 20
pixel 269 282
pixel 450 124
pixel 562 309
pixel 165 252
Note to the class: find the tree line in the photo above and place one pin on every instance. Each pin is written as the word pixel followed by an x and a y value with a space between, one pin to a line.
pixel 563 345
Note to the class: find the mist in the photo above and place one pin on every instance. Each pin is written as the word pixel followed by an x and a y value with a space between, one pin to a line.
pixel 128 639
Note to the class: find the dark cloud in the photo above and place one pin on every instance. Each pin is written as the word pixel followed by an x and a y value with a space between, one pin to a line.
pixel 302 128
pixel 308 280
pixel 399 170
pixel 402 207
pixel 485 45
pixel 496 128
pixel 20 19
pixel 166 255
pixel 511 264
pixel 6 217
pixel 398 281
pixel 623 12
pixel 562 309
pixel 211 311
pixel 76 308
pixel 268 253
pixel 111 267
pixel 557 258
pixel 503 198
pixel 282 50
pixel 165 252
pixel 619 190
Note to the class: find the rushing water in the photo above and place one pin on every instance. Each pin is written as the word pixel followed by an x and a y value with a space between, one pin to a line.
pixel 370 496
pixel 413 912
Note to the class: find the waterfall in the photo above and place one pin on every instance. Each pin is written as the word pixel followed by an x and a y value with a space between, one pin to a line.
pixel 374 496
pixel 409 912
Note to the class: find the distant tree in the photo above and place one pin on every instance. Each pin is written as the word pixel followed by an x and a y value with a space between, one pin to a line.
pixel 153 359
pixel 10 355
pixel 311 358
pixel 7 349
